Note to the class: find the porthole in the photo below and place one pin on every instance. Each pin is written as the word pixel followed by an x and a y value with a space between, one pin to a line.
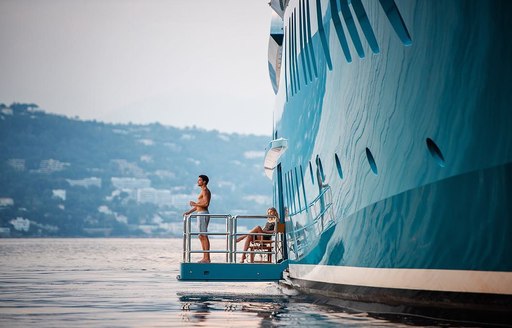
pixel 371 161
pixel 298 186
pixel 303 187
pixel 338 165
pixel 435 152
pixel 311 173
pixel 320 167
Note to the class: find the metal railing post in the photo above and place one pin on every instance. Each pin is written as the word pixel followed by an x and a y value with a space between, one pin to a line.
pixel 235 236
pixel 230 238
pixel 274 249
pixel 184 238
pixel 227 239
pixel 231 234
pixel 188 238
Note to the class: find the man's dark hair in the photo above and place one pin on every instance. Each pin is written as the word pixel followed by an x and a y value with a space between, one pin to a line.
pixel 205 178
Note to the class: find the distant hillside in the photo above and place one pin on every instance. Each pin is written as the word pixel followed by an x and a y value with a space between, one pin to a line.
pixel 67 177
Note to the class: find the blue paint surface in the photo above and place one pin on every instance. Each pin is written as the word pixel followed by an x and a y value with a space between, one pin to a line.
pixel 434 106
pixel 231 271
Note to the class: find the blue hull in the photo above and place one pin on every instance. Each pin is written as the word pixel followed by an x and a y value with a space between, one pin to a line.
pixel 411 230
pixel 398 117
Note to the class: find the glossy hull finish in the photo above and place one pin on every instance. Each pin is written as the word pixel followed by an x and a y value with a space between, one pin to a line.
pixel 398 173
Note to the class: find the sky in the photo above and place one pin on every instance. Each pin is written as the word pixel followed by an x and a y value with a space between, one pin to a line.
pixel 181 63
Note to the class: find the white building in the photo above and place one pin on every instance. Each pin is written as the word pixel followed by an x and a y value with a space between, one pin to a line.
pixel 51 165
pixel 131 183
pixel 6 201
pixel 155 196
pixel 20 224
pixel 146 195
pixel 17 163
pixel 6 111
pixel 163 197
pixel 86 183
pixel 59 193
pixel 182 200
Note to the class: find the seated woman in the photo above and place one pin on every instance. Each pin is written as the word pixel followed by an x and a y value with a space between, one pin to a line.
pixel 268 228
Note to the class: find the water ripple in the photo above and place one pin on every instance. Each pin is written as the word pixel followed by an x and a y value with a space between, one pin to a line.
pixel 99 283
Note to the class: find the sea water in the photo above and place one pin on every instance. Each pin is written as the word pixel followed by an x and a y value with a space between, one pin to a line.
pixel 132 283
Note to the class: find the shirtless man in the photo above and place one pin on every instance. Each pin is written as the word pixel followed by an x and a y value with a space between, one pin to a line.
pixel 201 207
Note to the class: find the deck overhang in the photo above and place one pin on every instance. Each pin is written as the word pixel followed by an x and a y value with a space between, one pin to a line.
pixel 276 148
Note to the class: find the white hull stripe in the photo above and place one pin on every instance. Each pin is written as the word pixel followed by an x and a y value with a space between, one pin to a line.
pixel 491 282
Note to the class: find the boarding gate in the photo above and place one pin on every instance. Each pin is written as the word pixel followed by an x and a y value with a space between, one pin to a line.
pixel 269 255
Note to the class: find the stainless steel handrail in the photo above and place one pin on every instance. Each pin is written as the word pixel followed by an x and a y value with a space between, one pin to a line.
pixel 231 236
pixel 187 233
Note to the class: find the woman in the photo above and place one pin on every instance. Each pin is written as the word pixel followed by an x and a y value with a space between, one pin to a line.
pixel 268 228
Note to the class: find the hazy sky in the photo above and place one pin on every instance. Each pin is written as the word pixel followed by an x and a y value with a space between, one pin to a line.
pixel 180 63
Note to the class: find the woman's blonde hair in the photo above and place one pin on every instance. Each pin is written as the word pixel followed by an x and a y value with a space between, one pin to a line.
pixel 273 209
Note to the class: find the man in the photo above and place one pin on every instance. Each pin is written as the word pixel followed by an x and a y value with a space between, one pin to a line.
pixel 201 207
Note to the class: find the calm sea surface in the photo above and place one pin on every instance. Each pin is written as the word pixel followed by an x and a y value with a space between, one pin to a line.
pixel 132 283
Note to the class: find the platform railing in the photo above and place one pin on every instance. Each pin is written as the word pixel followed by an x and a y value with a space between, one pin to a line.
pixel 276 249
pixel 231 233
pixel 188 233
